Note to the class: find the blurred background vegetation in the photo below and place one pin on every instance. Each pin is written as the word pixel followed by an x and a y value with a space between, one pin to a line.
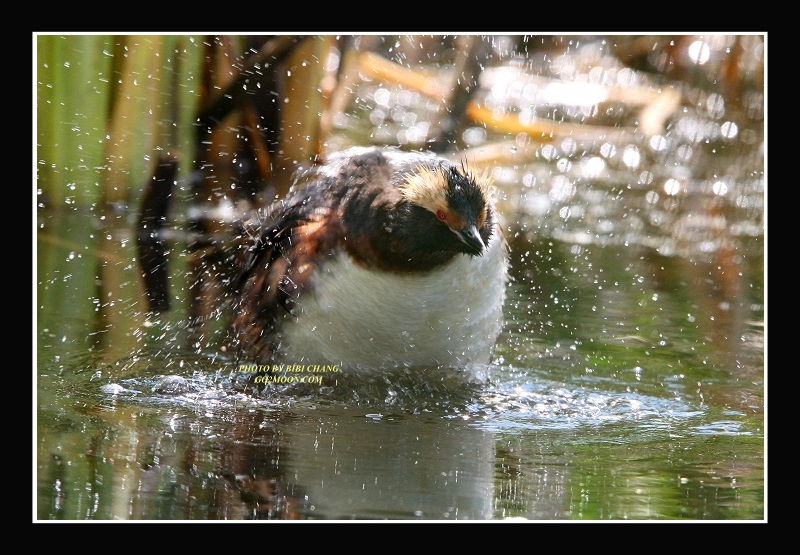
pixel 114 106
pixel 119 96
pixel 245 110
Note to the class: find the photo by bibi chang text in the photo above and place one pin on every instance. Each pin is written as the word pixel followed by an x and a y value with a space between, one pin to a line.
pixel 289 373
pixel 282 368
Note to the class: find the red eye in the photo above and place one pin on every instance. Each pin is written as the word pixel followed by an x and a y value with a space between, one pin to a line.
pixel 441 215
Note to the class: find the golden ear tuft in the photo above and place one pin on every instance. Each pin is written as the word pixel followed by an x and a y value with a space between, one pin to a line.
pixel 482 179
pixel 427 188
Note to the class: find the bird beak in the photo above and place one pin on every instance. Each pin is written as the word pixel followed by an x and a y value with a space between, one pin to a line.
pixel 470 237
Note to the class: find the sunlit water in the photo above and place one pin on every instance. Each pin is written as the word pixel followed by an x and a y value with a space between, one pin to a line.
pixel 579 417
pixel 628 382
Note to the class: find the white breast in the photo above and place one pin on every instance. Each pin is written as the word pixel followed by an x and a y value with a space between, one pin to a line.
pixel 360 318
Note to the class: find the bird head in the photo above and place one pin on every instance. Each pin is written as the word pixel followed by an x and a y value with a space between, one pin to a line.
pixel 457 206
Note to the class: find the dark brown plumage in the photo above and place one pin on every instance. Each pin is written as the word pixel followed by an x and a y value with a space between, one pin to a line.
pixel 377 257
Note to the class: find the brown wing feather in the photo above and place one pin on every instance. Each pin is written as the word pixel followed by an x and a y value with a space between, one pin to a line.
pixel 280 263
